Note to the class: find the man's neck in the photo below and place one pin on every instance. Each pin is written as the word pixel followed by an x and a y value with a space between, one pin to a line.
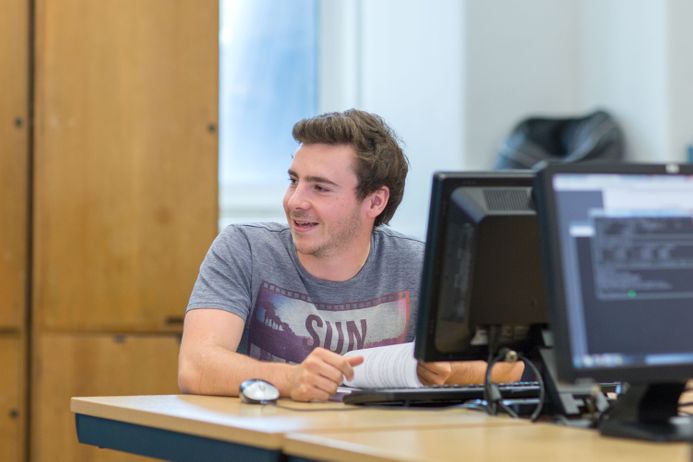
pixel 340 266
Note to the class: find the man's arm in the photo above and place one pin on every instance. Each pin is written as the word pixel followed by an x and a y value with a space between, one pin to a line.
pixel 467 372
pixel 209 365
pixel 471 372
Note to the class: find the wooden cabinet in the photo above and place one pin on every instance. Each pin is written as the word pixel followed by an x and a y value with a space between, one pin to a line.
pixel 124 200
pixel 69 365
pixel 14 240
pixel 113 197
pixel 14 170
pixel 12 396
pixel 125 160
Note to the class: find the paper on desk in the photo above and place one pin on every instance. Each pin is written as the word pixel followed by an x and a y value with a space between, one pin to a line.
pixel 386 366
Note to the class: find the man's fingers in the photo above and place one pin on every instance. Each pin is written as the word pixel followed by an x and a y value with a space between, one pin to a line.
pixel 434 373
pixel 428 378
pixel 326 370
pixel 438 368
pixel 355 360
pixel 319 366
pixel 343 364
pixel 326 385
pixel 352 361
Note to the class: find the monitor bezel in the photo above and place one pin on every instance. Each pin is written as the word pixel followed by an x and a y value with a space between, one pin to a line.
pixel 547 213
pixel 443 184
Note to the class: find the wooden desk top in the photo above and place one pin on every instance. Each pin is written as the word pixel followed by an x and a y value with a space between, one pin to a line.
pixel 228 419
pixel 530 443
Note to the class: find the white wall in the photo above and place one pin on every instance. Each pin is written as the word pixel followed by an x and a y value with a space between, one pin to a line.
pixel 521 59
pixel 339 55
pixel 411 74
pixel 679 82
pixel 401 59
pixel 454 76
pixel 637 62
pixel 624 69
pixel 630 57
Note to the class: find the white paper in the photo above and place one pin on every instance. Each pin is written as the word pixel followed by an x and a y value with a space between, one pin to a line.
pixel 387 366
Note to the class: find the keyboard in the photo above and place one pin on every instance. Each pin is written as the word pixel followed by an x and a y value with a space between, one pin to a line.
pixel 443 395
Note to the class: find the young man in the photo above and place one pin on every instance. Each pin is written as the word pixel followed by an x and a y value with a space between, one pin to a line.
pixel 284 303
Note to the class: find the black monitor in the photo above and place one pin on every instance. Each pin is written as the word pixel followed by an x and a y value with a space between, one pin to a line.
pixel 618 241
pixel 482 286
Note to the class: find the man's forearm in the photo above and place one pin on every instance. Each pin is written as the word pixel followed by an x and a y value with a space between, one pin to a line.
pixel 471 372
pixel 218 371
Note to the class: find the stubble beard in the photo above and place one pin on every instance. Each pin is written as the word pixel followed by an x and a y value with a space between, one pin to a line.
pixel 346 233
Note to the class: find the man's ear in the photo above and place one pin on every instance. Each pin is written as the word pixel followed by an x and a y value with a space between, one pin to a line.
pixel 377 201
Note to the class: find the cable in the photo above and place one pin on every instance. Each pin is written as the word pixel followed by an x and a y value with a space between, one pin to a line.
pixel 508 410
pixel 542 387
pixel 492 394
pixel 491 391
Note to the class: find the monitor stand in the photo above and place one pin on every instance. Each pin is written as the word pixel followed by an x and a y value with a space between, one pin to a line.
pixel 649 412
pixel 568 400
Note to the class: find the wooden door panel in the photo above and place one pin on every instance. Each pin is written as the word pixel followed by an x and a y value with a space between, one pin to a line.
pixel 67 365
pixel 14 173
pixel 12 412
pixel 126 160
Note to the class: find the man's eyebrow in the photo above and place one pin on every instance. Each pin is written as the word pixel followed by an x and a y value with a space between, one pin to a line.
pixel 313 179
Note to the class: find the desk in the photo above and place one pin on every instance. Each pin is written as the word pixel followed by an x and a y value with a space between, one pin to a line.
pixel 527 443
pixel 188 427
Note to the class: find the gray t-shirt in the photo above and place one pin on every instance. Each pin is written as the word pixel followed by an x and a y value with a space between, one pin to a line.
pixel 252 271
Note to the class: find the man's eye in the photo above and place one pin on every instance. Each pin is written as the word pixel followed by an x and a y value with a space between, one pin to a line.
pixel 320 188
pixel 292 181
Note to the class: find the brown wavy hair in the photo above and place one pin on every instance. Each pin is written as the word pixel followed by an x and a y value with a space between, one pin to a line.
pixel 380 160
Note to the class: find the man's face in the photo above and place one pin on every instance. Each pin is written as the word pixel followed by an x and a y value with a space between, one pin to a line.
pixel 321 206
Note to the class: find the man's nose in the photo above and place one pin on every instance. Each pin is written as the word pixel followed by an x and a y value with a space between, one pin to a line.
pixel 298 198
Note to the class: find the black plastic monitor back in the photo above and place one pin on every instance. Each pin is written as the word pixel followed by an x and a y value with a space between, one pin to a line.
pixel 482 269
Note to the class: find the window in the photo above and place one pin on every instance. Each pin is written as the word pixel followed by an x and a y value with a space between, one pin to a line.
pixel 282 60
pixel 268 81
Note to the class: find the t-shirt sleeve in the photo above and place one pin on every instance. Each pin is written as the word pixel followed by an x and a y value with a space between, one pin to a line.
pixel 225 277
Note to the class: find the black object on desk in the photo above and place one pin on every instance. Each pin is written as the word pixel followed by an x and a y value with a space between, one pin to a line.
pixel 437 395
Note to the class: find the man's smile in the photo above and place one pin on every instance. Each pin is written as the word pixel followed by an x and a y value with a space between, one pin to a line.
pixel 304 225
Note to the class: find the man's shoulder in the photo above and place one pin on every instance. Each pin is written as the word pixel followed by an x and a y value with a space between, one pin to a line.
pixel 393 238
pixel 398 254
pixel 254 233
pixel 256 229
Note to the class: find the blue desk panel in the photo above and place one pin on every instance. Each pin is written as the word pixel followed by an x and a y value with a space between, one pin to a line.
pixel 165 444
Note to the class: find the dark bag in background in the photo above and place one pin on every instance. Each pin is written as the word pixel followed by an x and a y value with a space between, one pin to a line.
pixel 593 137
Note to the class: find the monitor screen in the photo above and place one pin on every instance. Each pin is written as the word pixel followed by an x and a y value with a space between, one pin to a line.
pixel 481 280
pixel 619 258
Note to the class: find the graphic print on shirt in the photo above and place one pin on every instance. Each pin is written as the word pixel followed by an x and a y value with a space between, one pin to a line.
pixel 287 325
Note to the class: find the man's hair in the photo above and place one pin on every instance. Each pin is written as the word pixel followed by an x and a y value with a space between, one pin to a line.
pixel 380 160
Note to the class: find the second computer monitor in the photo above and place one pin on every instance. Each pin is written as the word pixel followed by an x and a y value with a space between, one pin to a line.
pixel 619 246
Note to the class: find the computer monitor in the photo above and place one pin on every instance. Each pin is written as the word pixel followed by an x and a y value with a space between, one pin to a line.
pixel 482 286
pixel 618 242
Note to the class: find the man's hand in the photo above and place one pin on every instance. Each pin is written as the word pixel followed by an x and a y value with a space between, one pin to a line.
pixel 434 373
pixel 319 375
